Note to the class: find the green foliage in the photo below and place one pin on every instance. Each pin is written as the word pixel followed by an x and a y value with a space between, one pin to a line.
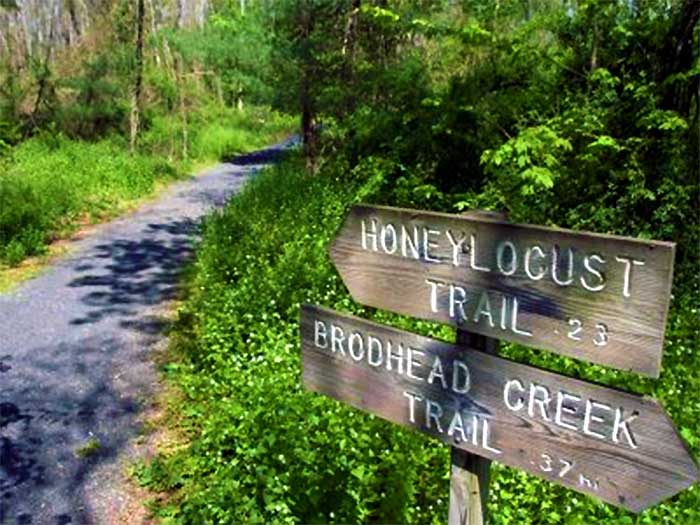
pixel 89 449
pixel 97 108
pixel 51 184
pixel 235 49
pixel 226 132
pixel 264 450
pixel 216 132
pixel 527 164
pixel 576 115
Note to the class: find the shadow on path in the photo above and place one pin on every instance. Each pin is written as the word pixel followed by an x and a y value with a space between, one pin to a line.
pixel 71 399
pixel 130 274
pixel 258 157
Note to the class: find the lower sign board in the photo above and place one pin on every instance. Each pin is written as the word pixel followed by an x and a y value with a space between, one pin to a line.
pixel 619 447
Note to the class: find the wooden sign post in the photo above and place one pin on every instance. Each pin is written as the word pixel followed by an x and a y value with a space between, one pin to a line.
pixel 469 477
pixel 470 473
pixel 616 446
pixel 596 297
pixel 600 298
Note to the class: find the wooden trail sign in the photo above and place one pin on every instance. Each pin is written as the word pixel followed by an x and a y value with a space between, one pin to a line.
pixel 619 447
pixel 600 298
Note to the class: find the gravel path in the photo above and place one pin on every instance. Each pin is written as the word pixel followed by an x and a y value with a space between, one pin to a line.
pixel 74 349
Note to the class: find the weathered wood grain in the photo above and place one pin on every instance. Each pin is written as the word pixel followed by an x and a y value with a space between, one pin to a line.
pixel 469 488
pixel 631 455
pixel 602 307
pixel 470 473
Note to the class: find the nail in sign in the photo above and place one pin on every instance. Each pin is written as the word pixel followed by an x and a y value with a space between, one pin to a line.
pixel 619 447
pixel 599 298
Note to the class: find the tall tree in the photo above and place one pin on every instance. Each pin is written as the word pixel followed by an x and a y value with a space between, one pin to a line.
pixel 138 77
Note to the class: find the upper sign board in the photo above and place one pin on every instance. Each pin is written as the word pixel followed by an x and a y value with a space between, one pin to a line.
pixel 619 447
pixel 600 298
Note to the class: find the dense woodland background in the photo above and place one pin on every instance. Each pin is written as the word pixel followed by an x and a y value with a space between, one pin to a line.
pixel 581 114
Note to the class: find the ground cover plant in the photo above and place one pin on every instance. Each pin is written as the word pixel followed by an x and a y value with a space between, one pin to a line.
pixel 262 450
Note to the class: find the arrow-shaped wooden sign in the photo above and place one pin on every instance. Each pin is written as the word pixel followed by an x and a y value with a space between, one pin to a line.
pixel 600 298
pixel 619 447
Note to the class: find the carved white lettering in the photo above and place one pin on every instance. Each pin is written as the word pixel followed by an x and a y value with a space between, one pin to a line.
pixel 412 405
pixel 601 336
pixel 483 308
pixel 485 438
pixel 437 371
pixel 409 242
pixel 369 234
pixel 457 246
pixel 519 402
pixel 461 378
pixel 320 334
pixel 562 398
pixel 583 481
pixel 503 322
pixel 514 321
pixel 457 424
pixel 374 358
pixel 397 357
pixel 621 425
pixel 589 417
pixel 629 262
pixel 433 412
pixel 356 346
pixel 556 263
pixel 540 396
pixel 567 466
pixel 503 248
pixel 576 327
pixel 434 285
pixel 571 411
pixel 457 304
pixel 472 256
pixel 547 465
pixel 528 263
pixel 389 239
pixel 412 363
pixel 337 338
pixel 429 244
pixel 594 271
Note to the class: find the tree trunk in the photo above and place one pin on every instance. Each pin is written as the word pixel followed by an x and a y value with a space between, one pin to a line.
pixel 179 82
pixel 45 71
pixel 308 124
pixel 348 52
pixel 136 98
pixel 308 112
pixel 678 56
